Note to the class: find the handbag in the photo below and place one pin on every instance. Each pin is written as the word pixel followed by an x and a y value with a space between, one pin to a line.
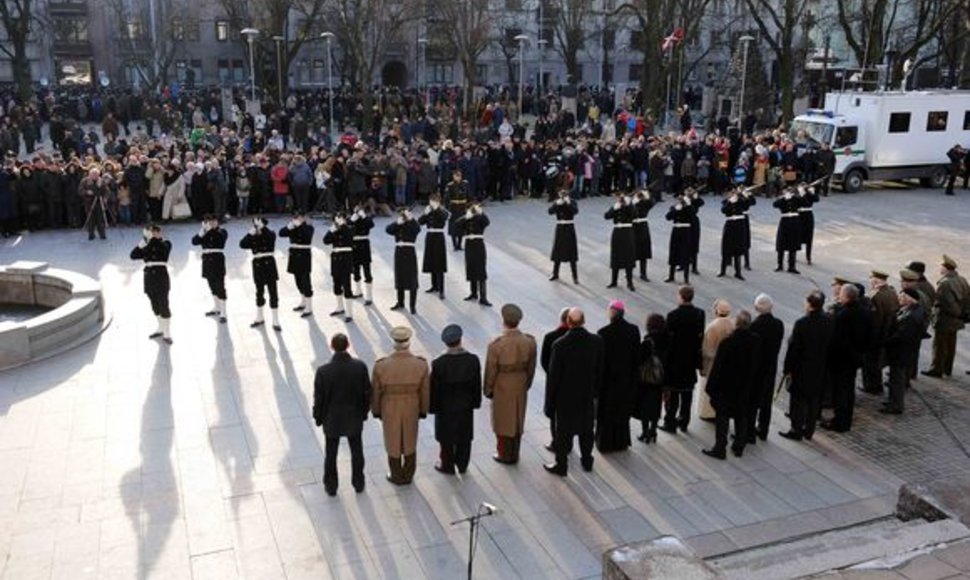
pixel 652 372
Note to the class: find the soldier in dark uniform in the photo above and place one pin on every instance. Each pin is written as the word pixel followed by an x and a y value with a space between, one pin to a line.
pixel 212 238
pixel 680 240
pixel 405 230
pixel 825 158
pixel 153 249
pixel 733 234
pixel 564 245
pixel 694 202
pixel 622 240
pixel 262 242
pixel 361 224
pixel 788 238
pixel 643 203
pixel 806 217
pixel 341 237
pixel 456 391
pixel 911 279
pixel 435 262
pixel 472 227
pixel 300 263
pixel 749 201
pixel 456 196
pixel 955 155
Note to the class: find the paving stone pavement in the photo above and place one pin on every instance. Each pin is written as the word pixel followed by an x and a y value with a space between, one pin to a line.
pixel 125 458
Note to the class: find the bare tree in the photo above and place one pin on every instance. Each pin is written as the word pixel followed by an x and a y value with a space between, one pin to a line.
pixel 781 18
pixel 19 20
pixel 150 54
pixel 467 26
pixel 509 47
pixel 573 22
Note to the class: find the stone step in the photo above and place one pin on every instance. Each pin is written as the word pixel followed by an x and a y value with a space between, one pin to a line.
pixel 837 549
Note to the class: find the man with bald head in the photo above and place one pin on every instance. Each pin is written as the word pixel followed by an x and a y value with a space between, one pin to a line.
pixel 575 381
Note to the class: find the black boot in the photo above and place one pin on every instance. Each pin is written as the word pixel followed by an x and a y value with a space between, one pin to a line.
pixel 747 260
pixel 808 254
pixel 414 301
pixel 737 268
pixel 400 301
pixel 474 291
pixel 791 263
pixel 484 299
pixel 723 271
pixel 572 266
pixel 781 256
pixel 555 271
pixel 629 280
pixel 616 273
pixel 670 276
pixel 643 271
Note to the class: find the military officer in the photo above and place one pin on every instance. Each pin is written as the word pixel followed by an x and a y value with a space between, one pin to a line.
pixel 678 255
pixel 341 237
pixel 510 365
pixel 212 237
pixel 807 196
pixel 788 237
pixel 435 262
pixel 299 264
pixel 400 398
pixel 643 203
pixel 261 241
pixel 405 230
pixel 949 317
pixel 153 249
pixel 733 234
pixel 694 203
pixel 361 224
pixel 910 279
pixel 885 304
pixel 472 226
pixel 564 245
pixel 456 391
pixel 749 201
pixel 622 240
pixel 456 196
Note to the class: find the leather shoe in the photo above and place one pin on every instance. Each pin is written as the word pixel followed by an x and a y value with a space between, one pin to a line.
pixel 791 435
pixel 550 447
pixel 331 492
pixel 832 426
pixel 587 464
pixel 440 469
pixel 499 459
pixel 715 453
pixel 555 469
pixel 931 373
pixel 668 428
pixel 737 451
pixel 890 410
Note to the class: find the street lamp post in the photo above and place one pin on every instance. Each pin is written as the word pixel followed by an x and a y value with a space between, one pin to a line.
pixel 423 72
pixel 542 42
pixel 522 40
pixel 745 41
pixel 328 36
pixel 279 69
pixel 251 34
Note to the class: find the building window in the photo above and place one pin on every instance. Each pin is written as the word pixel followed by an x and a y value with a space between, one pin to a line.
pixel 191 27
pixel 936 121
pixel 178 29
pixel 513 5
pixel 222 30
pixel 319 71
pixel 608 73
pixel 69 30
pixel 634 73
pixel 238 72
pixel 134 30
pixel 899 122
pixel 442 73
pixel 481 73
pixel 846 136
pixel 609 39
pixel 222 65
pixel 636 39
pixel 966 121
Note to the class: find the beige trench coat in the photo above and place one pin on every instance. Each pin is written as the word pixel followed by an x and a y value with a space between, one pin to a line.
pixel 510 365
pixel 400 397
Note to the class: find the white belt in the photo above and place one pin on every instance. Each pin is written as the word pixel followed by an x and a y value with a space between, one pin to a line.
pixel 681 225
pixel 361 238
pixel 211 251
pixel 300 246
pixel 474 237
pixel 564 222
pixel 435 230
pixel 735 217
pixel 790 214
pixel 640 220
pixel 746 214
pixel 405 244
pixel 622 225
pixel 338 250
pixel 262 255
pixel 804 209
pixel 156 264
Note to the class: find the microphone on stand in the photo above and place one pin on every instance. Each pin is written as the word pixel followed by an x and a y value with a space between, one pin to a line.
pixel 490 509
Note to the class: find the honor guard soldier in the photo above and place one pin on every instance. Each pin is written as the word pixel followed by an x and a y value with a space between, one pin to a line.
pixel 732 237
pixel 806 218
pixel 789 237
pixel 435 262
pixel 564 245
pixel 154 251
pixel 405 230
pixel 456 196
pixel 643 203
pixel 694 202
pixel 509 368
pixel 749 200
pixel 622 242
pixel 341 237
pixel 400 398
pixel 361 224
pixel 473 225
pixel 678 256
pixel 261 241
pixel 212 237
pixel 300 263
pixel 456 391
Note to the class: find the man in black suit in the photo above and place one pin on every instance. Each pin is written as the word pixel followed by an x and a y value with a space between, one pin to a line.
pixel 545 355
pixel 685 324
pixel 729 385
pixel 575 381
pixel 341 399
pixel 771 331
pixel 850 340
pixel 805 364
pixel 456 391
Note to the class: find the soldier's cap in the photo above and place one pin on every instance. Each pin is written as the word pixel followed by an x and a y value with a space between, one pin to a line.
pixel 511 313
pixel 840 281
pixel 911 292
pixel 400 334
pixel 298 213
pixel 949 263
pixel 451 334
pixel 908 275
pixel 878 274
pixel 209 217
pixel 918 267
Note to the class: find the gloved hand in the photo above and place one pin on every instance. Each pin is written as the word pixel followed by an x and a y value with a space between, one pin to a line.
pixel 679 206
pixel 146 233
pixel 253 231
pixel 468 214
pixel 361 213
pixel 399 220
pixel 354 217
pixel 617 205
pixel 292 225
pixel 560 201
pixel 143 243
pixel 203 230
pixel 479 209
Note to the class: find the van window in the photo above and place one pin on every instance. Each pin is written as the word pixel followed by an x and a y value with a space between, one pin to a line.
pixel 966 121
pixel 846 136
pixel 936 121
pixel 899 122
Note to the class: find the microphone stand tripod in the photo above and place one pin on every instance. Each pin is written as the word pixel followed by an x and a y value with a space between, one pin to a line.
pixel 474 522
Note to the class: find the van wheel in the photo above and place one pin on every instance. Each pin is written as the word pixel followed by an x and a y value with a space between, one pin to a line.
pixel 937 178
pixel 852 181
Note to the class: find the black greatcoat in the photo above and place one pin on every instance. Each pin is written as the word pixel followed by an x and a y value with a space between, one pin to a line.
pixel 456 196
pixel 564 246
pixel 214 263
pixel 405 256
pixel 641 229
pixel 806 216
pixel 730 381
pixel 622 241
pixel 685 325
pixel 341 263
pixel 808 350
pixel 696 203
pixel 733 235
pixel 456 391
pixel 575 379
pixel 264 269
pixel 851 336
pixel 651 396
pixel 361 228
pixel 680 236
pixel 299 258
pixel 475 257
pixel 771 331
pixel 155 280
pixel 435 255
pixel 545 356
pixel 617 402
pixel 341 396
pixel 749 201
pixel 789 236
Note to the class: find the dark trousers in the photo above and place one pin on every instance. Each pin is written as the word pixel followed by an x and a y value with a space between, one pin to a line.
pixel 944 350
pixel 629 276
pixel 722 422
pixel 564 446
pixel 759 411
pixel 478 290
pixel 898 381
pixel 356 462
pixel 438 282
pixel 804 413
pixel 678 408
pixel 217 286
pixel 366 268
pixel 727 260
pixel 159 302
pixel 412 298
pixel 843 397
pixel 303 284
pixel 572 267
pixel 96 221
pixel 791 259
pixel 455 454
pixel 872 366
pixel 261 288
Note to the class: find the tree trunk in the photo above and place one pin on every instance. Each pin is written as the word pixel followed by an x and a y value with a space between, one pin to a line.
pixel 572 64
pixel 21 66
pixel 786 79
